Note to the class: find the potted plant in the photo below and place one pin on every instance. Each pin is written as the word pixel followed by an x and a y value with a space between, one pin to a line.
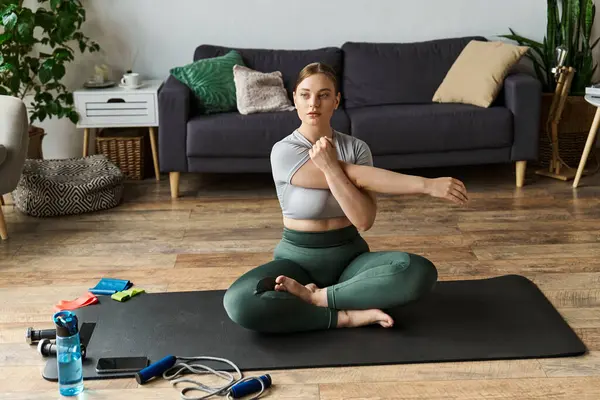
pixel 569 25
pixel 35 47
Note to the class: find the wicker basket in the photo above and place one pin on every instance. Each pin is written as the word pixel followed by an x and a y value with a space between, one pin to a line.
pixel 125 149
pixel 573 130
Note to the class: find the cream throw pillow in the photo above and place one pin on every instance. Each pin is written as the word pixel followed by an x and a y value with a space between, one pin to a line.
pixel 478 73
pixel 260 91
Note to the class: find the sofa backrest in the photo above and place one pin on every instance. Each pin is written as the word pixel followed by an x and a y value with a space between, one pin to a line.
pixel 397 73
pixel 289 62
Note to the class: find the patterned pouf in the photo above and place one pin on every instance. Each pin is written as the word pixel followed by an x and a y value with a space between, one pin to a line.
pixel 50 188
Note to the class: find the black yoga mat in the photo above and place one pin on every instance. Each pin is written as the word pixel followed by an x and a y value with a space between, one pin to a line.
pixel 505 317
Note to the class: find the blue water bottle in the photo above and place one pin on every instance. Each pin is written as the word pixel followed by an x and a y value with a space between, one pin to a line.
pixel 68 354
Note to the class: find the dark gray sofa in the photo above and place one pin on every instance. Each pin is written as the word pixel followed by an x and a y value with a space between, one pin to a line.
pixel 386 101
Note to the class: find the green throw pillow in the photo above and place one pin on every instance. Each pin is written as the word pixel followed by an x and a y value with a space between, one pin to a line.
pixel 211 80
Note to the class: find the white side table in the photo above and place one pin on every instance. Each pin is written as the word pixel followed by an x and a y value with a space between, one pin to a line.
pixel 595 101
pixel 119 107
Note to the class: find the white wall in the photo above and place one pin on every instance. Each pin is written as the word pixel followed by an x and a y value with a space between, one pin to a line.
pixel 151 36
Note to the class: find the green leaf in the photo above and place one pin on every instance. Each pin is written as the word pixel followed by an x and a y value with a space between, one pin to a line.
pixel 73 116
pixel 44 97
pixel 5 37
pixel 41 114
pixel 54 4
pixel 63 54
pixel 58 71
pixel 516 37
pixel 53 108
pixel 9 21
pixel 45 75
pixel 14 84
pixel 1 58
pixel 8 7
pixel 3 91
pixel 34 64
pixel 44 19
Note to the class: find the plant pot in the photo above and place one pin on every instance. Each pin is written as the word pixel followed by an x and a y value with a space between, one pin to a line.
pixel 36 134
pixel 573 129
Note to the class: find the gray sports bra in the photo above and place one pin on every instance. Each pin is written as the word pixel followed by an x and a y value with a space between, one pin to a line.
pixel 290 153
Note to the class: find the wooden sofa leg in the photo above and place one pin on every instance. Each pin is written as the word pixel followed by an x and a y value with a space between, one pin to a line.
pixel 3 230
pixel 521 167
pixel 174 181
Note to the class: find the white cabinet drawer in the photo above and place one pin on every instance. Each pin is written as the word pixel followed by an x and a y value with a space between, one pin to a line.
pixel 116 109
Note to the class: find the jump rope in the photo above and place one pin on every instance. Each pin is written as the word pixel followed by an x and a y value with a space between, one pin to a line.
pixel 172 370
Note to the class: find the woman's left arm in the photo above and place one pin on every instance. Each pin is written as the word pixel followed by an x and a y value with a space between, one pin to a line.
pixel 360 206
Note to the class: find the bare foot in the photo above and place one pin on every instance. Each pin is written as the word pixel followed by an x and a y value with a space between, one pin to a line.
pixel 309 293
pixel 354 318
pixel 312 287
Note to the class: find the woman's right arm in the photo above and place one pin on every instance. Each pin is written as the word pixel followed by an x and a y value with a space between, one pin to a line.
pixel 383 181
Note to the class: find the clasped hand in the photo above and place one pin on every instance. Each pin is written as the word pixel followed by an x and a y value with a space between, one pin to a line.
pixel 323 154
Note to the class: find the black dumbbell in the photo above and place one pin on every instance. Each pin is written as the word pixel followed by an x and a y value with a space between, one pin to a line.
pixel 47 348
pixel 34 335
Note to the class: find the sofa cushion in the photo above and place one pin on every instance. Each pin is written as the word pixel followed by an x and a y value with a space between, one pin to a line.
pixel 478 73
pixel 237 135
pixel 2 154
pixel 397 73
pixel 212 82
pixel 260 91
pixel 289 62
pixel 401 129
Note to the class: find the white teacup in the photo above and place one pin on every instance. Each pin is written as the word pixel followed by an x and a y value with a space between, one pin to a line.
pixel 131 79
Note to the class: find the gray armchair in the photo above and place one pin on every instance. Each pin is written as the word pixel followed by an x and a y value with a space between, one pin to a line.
pixel 14 140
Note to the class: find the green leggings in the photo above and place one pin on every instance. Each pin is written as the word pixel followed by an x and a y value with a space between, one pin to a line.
pixel 339 260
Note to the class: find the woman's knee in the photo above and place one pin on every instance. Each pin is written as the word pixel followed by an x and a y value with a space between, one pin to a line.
pixel 239 304
pixel 424 272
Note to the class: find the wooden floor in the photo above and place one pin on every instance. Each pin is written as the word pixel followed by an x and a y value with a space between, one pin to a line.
pixel 226 224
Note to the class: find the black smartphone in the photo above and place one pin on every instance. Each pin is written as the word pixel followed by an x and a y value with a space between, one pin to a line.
pixel 121 364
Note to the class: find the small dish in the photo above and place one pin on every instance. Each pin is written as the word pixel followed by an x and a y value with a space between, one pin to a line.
pixel 131 87
pixel 98 85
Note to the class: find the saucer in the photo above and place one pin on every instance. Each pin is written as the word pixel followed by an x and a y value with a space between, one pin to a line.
pixel 131 87
pixel 98 85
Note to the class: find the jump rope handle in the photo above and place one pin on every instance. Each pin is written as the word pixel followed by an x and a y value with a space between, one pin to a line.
pixel 155 369
pixel 250 386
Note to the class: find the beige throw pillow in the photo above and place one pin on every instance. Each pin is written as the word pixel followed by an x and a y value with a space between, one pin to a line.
pixel 478 73
pixel 260 91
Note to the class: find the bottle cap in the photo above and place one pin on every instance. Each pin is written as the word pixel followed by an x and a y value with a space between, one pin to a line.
pixel 66 323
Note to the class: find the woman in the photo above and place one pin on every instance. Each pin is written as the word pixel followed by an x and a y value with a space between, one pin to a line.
pixel 323 274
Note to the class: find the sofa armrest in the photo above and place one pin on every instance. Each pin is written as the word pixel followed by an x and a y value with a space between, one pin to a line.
pixel 174 99
pixel 523 97
pixel 2 154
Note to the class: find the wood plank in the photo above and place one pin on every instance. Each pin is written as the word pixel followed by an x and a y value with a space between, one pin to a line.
pixel 64 264
pixel 508 252
pixel 224 259
pixel 531 226
pixel 22 379
pixel 587 365
pixel 296 392
pixel 585 388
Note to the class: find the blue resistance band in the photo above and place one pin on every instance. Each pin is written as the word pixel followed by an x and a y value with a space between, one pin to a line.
pixel 235 388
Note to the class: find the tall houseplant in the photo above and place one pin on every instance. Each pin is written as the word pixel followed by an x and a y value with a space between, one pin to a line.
pixel 35 46
pixel 569 26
